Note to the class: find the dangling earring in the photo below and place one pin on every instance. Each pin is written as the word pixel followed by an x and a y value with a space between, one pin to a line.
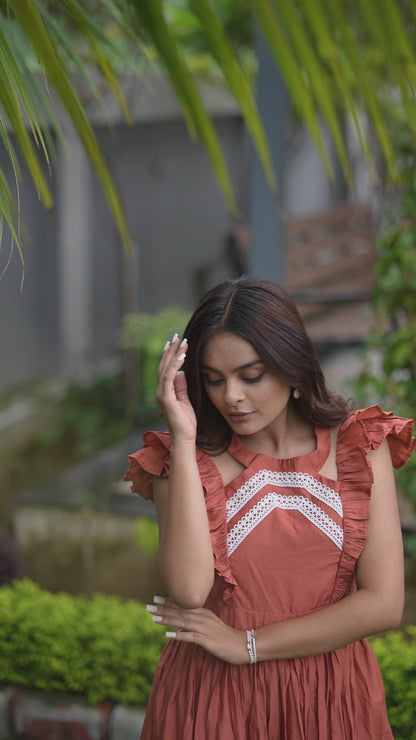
pixel 296 393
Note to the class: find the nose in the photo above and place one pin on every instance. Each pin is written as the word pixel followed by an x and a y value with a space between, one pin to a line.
pixel 233 392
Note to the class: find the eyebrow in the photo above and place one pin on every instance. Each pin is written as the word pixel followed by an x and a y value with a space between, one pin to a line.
pixel 236 369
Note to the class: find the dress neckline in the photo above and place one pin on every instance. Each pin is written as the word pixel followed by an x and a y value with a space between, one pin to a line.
pixel 316 458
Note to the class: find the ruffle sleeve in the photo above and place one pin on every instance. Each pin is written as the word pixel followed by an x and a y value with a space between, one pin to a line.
pixel 154 460
pixel 362 431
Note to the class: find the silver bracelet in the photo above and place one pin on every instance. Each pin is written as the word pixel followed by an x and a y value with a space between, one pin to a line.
pixel 251 645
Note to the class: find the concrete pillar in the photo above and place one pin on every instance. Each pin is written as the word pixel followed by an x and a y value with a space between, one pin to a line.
pixel 75 268
pixel 265 208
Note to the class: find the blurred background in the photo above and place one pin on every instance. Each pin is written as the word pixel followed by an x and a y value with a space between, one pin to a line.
pixel 88 303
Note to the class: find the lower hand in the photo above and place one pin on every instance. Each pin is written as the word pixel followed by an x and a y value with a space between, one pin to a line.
pixel 202 627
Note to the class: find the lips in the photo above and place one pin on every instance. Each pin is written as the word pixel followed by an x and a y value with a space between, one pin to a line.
pixel 240 416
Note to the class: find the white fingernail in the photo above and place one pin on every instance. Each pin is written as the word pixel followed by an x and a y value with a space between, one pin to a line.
pixel 180 372
pixel 182 344
pixel 167 345
pixel 159 599
pixel 182 357
pixel 150 608
pixel 156 618
pixel 174 338
pixel 170 634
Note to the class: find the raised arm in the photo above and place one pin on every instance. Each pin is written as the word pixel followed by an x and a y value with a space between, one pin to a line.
pixel 376 606
pixel 185 558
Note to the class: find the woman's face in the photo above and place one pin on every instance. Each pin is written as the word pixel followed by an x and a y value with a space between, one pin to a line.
pixel 245 392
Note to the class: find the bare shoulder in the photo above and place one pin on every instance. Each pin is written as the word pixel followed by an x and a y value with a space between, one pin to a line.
pixel 227 466
pixel 380 454
pixel 329 468
pixel 382 467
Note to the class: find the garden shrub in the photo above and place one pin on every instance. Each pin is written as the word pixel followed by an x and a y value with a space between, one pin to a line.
pixel 144 335
pixel 396 655
pixel 388 376
pixel 103 648
pixel 108 649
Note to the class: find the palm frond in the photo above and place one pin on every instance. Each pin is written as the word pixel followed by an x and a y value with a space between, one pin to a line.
pixel 9 206
pixel 295 80
pixel 364 89
pixel 17 105
pixel 151 17
pixel 319 81
pixel 386 28
pixel 98 42
pixel 236 79
pixel 342 78
pixel 33 26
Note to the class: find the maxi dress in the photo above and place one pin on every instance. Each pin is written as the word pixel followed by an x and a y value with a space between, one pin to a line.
pixel 286 541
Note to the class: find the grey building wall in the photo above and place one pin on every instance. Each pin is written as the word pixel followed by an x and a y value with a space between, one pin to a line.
pixel 78 283
pixel 65 322
pixel 174 208
pixel 29 342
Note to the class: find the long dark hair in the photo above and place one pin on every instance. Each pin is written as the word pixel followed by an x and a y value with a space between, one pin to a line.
pixel 263 314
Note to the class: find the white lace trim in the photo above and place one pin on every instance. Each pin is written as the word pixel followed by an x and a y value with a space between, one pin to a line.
pixel 280 501
pixel 284 480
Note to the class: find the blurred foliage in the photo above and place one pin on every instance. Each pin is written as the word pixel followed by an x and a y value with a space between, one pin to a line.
pixel 84 420
pixel 388 376
pixel 396 655
pixel 339 60
pixel 409 542
pixel 144 335
pixel 147 535
pixel 236 20
pixel 110 24
pixel 121 32
pixel 103 648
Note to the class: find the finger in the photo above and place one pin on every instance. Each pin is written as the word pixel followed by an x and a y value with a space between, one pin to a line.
pixel 190 620
pixel 164 601
pixel 174 353
pixel 161 600
pixel 183 636
pixel 168 350
pixel 181 386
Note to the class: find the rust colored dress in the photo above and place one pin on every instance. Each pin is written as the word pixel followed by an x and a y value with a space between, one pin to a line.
pixel 286 541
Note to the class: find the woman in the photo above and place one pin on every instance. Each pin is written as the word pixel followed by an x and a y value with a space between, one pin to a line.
pixel 280 542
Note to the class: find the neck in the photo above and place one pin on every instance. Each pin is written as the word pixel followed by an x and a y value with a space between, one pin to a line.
pixel 289 436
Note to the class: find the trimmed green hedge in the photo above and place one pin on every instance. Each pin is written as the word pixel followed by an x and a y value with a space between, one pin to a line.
pixel 396 654
pixel 108 649
pixel 103 648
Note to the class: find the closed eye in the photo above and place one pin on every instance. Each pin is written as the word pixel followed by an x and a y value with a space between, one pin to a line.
pixel 212 382
pixel 253 380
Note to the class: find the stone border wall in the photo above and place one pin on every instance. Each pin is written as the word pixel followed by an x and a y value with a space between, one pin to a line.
pixel 37 715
